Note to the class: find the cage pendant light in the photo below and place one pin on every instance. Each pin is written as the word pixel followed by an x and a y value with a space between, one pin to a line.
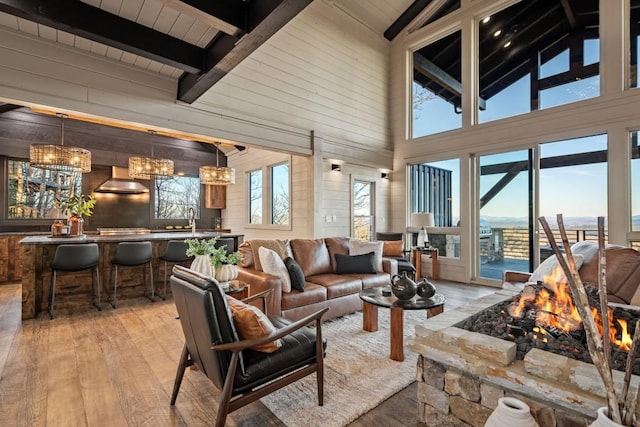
pixel 150 167
pixel 217 175
pixel 60 157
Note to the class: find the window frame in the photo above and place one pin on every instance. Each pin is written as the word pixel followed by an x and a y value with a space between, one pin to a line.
pixel 162 222
pixel 267 197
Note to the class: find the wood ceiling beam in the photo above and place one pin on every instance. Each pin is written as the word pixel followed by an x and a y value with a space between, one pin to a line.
pixel 81 19
pixel 266 17
pixel 571 17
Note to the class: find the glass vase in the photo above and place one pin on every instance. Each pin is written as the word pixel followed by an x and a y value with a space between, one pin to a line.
pixel 76 225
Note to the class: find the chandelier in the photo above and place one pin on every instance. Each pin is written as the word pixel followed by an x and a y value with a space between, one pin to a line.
pixel 150 167
pixel 217 175
pixel 60 157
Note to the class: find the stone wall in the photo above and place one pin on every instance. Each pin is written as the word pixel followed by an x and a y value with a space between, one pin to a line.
pixel 450 398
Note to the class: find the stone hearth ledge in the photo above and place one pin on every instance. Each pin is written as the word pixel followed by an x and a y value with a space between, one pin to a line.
pixel 545 377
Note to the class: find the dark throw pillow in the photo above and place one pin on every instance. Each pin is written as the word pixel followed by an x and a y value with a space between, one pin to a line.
pixel 356 264
pixel 296 274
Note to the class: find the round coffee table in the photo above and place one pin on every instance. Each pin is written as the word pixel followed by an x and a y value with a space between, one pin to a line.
pixel 373 298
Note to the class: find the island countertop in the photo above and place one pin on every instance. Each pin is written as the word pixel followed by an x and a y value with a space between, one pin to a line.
pixel 38 252
pixel 94 238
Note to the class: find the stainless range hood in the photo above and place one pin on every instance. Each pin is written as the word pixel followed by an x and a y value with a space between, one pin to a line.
pixel 121 183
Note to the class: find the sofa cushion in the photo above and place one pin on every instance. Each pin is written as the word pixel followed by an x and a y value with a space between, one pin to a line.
pixel 373 280
pixel 359 264
pixel 312 294
pixel 393 248
pixel 249 251
pixel 336 245
pixel 272 263
pixel 312 256
pixel 357 247
pixel 337 285
pixel 623 272
pixel 296 274
pixel 251 323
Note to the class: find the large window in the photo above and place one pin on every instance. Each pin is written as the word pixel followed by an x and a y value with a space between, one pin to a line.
pixel 634 37
pixel 437 87
pixel 32 192
pixel 175 196
pixel 269 195
pixel 536 55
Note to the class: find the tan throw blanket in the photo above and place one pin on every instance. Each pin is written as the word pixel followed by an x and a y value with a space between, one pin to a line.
pixel 276 245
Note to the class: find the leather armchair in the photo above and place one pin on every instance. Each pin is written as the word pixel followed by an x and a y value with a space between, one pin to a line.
pixel 212 344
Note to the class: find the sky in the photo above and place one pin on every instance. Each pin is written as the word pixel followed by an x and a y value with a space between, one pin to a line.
pixel 572 191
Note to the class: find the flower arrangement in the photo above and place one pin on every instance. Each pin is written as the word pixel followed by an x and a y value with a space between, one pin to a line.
pixel 220 256
pixel 201 246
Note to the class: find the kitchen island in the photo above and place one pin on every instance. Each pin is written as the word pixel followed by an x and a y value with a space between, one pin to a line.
pixel 74 289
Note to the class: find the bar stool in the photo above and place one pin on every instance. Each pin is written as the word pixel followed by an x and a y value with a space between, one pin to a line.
pixel 226 243
pixel 132 254
pixel 76 257
pixel 175 253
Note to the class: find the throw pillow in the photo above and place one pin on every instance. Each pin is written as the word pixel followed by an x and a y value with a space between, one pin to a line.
pixel 295 273
pixel 548 267
pixel 356 264
pixel 357 247
pixel 392 248
pixel 251 323
pixel 272 264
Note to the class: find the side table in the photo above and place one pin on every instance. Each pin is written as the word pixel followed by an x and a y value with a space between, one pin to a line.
pixel 416 255
pixel 238 290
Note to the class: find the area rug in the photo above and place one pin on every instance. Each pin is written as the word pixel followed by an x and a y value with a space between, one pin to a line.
pixel 358 374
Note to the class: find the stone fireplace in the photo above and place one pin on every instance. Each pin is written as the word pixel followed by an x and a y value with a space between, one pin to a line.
pixel 462 374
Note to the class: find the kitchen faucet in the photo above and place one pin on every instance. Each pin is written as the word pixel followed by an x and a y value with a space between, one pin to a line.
pixel 192 221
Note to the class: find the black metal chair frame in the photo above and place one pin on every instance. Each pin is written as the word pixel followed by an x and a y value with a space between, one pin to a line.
pixel 232 400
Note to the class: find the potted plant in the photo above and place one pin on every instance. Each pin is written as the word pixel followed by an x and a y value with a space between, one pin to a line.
pixel 77 206
pixel 225 264
pixel 202 250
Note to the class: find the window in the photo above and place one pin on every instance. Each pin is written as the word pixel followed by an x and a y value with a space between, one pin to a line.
pixel 269 195
pixel 529 61
pixel 634 37
pixel 437 87
pixel 362 201
pixel 32 192
pixel 175 196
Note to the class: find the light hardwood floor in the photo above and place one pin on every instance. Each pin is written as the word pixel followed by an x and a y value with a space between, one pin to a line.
pixel 116 368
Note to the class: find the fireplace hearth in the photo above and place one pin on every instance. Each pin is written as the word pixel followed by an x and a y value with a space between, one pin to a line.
pixel 463 373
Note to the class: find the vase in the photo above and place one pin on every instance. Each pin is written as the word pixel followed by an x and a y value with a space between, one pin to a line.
pixel 403 287
pixel 202 264
pixel 226 273
pixel 511 412
pixel 603 420
pixel 426 289
pixel 76 225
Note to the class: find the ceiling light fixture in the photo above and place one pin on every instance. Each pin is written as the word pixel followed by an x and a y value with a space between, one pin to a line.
pixel 486 20
pixel 497 33
pixel 336 167
pixel 60 157
pixel 217 175
pixel 150 167
pixel 507 44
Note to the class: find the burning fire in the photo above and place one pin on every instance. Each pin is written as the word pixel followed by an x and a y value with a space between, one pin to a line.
pixel 555 310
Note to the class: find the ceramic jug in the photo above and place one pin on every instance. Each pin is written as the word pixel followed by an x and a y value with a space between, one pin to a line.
pixel 403 287
pixel 426 289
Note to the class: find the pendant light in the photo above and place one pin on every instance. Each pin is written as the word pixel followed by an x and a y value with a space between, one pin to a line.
pixel 217 175
pixel 150 167
pixel 60 157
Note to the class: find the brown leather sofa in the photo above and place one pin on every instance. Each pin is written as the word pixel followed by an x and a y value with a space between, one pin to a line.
pixel 623 271
pixel 323 287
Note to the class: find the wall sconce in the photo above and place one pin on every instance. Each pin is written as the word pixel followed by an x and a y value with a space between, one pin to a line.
pixel 336 167
pixel 384 175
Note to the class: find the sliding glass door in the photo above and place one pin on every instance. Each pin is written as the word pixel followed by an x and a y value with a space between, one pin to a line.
pixel 505 201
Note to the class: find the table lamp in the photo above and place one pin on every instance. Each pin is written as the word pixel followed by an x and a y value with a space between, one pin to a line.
pixel 422 220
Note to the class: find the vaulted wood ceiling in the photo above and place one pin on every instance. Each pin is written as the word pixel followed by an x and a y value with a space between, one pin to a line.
pixel 205 41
